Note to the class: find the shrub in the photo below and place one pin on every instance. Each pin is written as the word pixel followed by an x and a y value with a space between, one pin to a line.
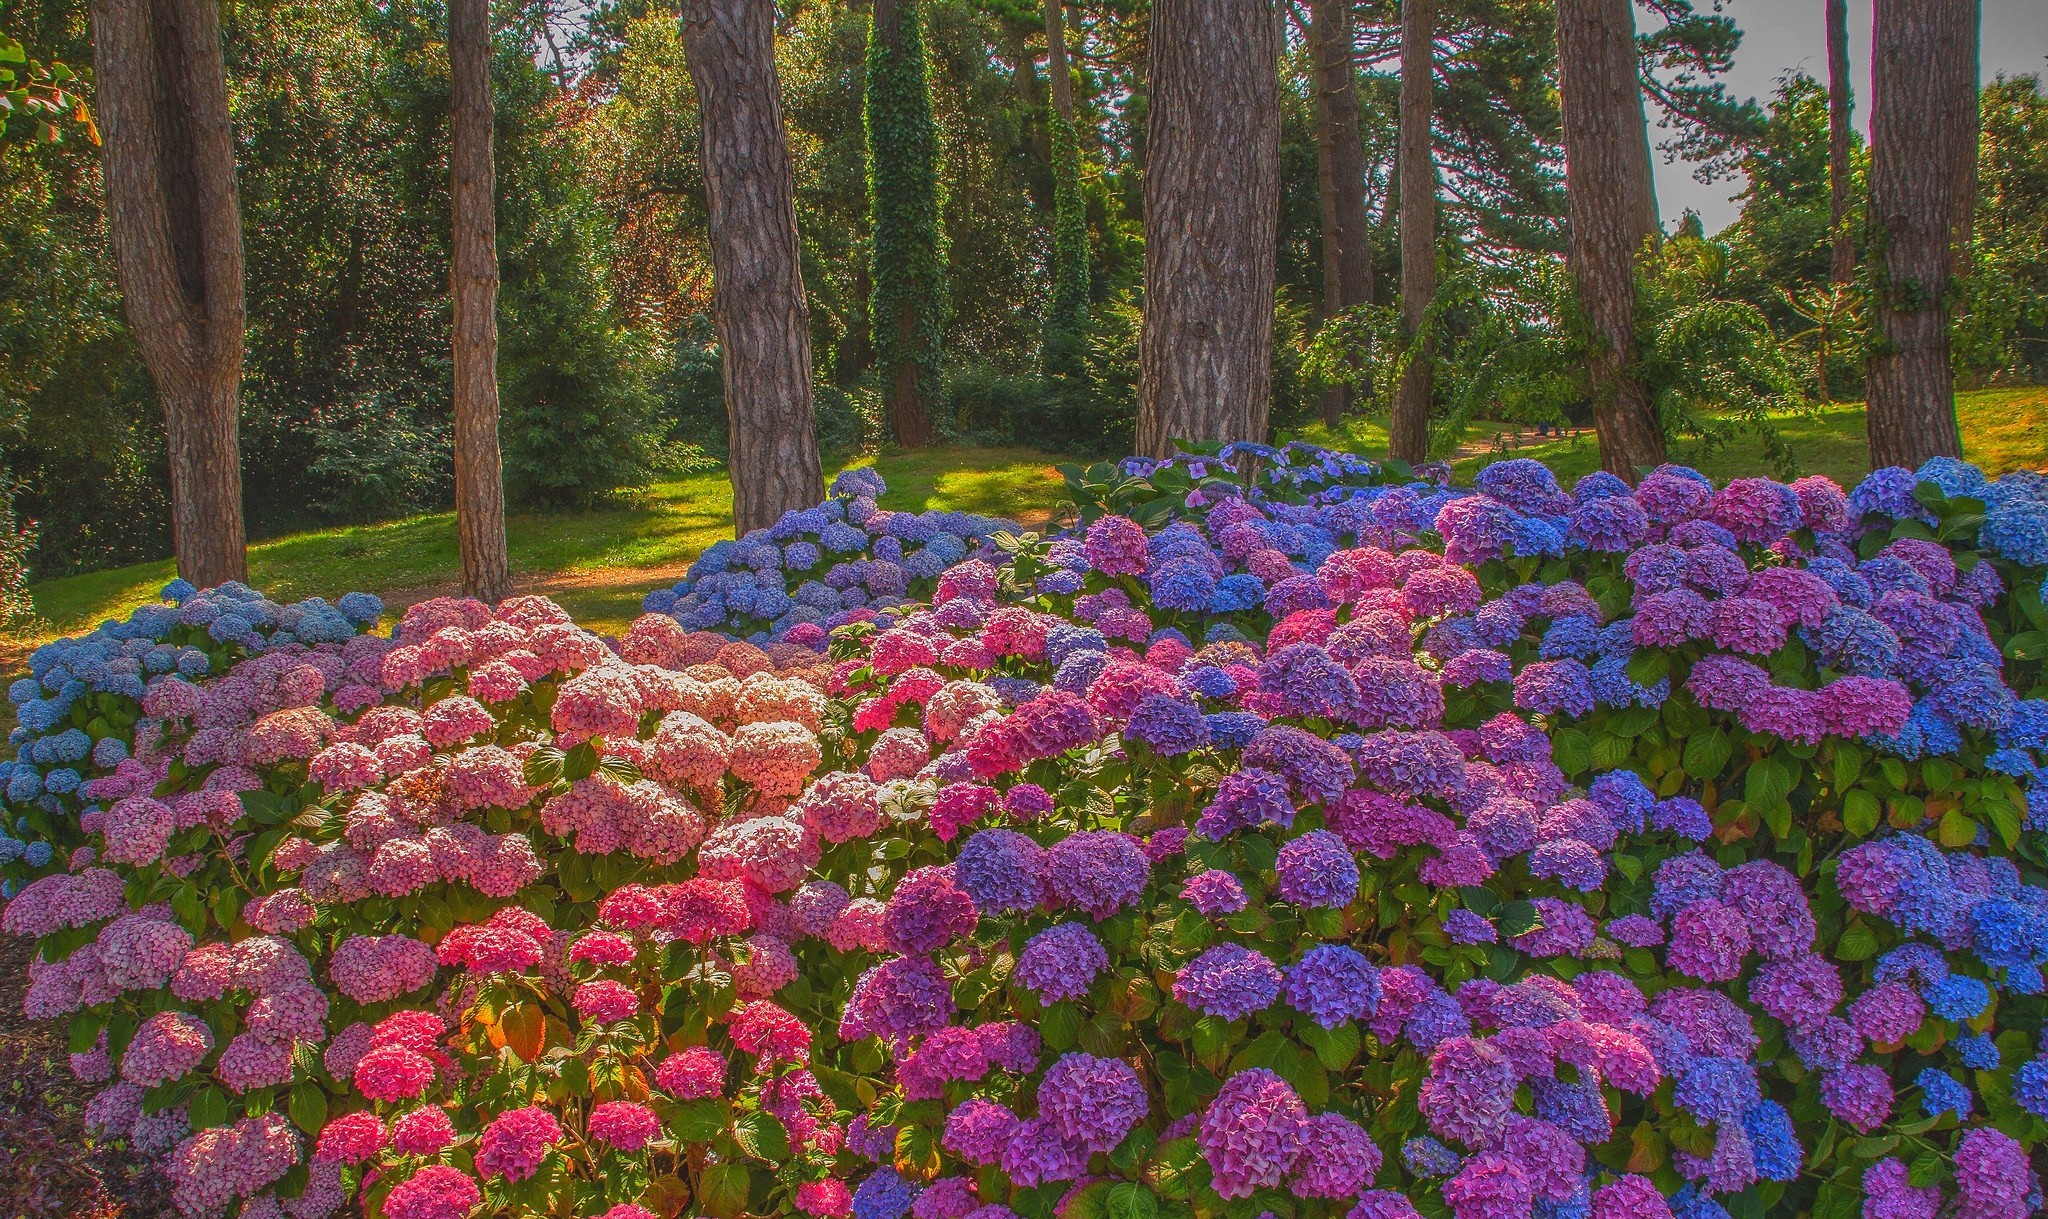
pixel 1334 844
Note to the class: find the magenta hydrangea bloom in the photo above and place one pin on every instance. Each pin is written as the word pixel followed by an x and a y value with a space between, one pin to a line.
pixel 1092 1102
pixel 515 1142
pixel 1251 1134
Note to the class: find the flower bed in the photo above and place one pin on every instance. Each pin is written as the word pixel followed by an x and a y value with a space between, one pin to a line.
pixel 1333 841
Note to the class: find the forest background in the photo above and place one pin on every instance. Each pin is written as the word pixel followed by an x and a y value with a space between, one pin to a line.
pixel 610 374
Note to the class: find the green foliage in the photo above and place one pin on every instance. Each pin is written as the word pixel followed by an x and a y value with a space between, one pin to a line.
pixel 908 304
pixel 1067 315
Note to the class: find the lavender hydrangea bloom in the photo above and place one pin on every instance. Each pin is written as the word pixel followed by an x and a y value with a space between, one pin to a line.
pixel 1061 962
pixel 1228 981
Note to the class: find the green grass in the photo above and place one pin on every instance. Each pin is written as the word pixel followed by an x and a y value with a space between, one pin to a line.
pixel 2003 429
pixel 598 564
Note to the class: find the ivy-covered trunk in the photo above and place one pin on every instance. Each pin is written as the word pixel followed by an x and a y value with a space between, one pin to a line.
pixel 908 307
pixel 1067 315
pixel 1340 165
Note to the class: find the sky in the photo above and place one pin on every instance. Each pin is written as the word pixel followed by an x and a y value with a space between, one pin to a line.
pixel 1781 35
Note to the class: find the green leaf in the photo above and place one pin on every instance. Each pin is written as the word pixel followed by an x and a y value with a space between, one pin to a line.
pixel 1956 829
pixel 761 1136
pixel 1858 943
pixel 307 1107
pixel 700 1121
pixel 1060 1026
pixel 724 1190
pixel 1707 753
pixel 1334 1048
pixel 1860 812
pixel 1517 918
pixel 1767 782
pixel 1130 1200
pixel 1571 749
pixel 208 1108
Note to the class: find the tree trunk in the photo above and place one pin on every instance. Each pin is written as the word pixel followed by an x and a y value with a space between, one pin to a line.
pixel 1408 431
pixel 1067 314
pixel 903 197
pixel 1842 257
pixel 473 289
pixel 764 327
pixel 1340 165
pixel 1603 142
pixel 175 221
pixel 1923 161
pixel 1212 210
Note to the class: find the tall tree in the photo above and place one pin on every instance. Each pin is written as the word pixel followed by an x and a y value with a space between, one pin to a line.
pixel 1923 168
pixel 1603 142
pixel 174 216
pixel 763 319
pixel 1842 255
pixel 473 291
pixel 1340 173
pixel 1067 313
pixel 907 313
pixel 1408 432
pixel 1212 209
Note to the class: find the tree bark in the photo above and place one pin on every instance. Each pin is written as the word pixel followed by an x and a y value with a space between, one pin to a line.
pixel 174 217
pixel 1408 431
pixel 1067 312
pixel 1340 166
pixel 1923 161
pixel 764 328
pixel 909 281
pixel 1212 208
pixel 473 289
pixel 1604 151
pixel 1842 256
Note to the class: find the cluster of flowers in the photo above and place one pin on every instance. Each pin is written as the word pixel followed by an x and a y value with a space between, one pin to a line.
pixel 76 710
pixel 823 567
pixel 1334 847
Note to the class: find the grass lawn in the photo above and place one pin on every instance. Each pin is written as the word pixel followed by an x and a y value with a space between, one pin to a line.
pixel 2003 429
pixel 598 564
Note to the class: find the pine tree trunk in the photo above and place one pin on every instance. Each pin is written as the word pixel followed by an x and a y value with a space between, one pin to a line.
pixel 1923 160
pixel 903 198
pixel 174 217
pixel 1212 208
pixel 1408 431
pixel 1604 154
pixel 764 328
pixel 1340 166
pixel 473 289
pixel 1842 255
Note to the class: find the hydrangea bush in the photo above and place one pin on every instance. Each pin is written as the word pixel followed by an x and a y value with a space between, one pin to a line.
pixel 1339 843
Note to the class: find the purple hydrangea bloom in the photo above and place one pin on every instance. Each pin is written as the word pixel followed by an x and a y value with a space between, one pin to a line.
pixel 1229 981
pixel 1317 869
pixel 1002 870
pixel 1061 962
pixel 1214 893
pixel 1098 871
pixel 1333 984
